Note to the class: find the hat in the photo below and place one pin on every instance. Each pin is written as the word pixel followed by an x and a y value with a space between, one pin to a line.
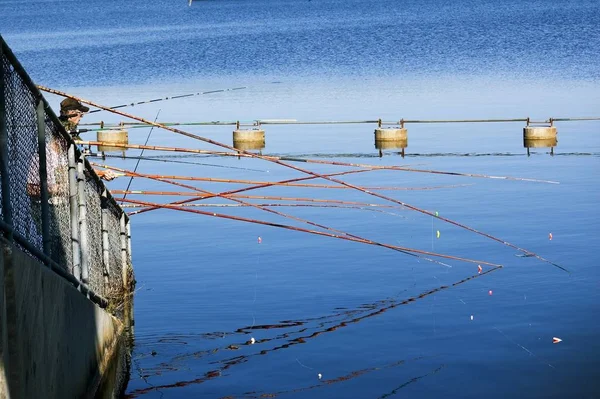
pixel 70 104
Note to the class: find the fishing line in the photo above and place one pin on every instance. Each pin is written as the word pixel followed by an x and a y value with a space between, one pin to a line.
pixel 432 233
pixel 306 367
pixel 255 283
pixel 168 98
pixel 522 347
pixel 141 153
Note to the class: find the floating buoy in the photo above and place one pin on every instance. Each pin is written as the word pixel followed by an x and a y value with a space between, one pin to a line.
pixel 391 134
pixel 539 133
pixel 319 375
pixel 556 340
pixel 255 135
pixel 252 341
pixel 112 136
pixel 438 234
pixel 471 317
pixel 490 292
pixel 437 214
pixel 479 269
pixel 550 236
pixel 259 240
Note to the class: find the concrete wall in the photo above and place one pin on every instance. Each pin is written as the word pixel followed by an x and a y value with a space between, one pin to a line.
pixel 3 338
pixel 55 342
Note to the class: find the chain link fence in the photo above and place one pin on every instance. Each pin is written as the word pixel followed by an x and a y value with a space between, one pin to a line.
pixel 53 205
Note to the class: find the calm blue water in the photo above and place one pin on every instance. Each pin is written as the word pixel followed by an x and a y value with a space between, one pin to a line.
pixel 373 322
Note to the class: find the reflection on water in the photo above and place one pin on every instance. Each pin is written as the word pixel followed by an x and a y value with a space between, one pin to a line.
pixel 296 332
pixel 540 143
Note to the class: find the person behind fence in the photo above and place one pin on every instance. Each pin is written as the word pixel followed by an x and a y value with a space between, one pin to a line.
pixel 57 172
pixel 57 169
pixel 71 112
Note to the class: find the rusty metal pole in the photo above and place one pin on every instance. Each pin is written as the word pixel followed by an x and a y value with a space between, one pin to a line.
pixel 73 208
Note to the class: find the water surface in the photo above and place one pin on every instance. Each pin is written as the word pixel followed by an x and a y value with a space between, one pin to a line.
pixel 317 305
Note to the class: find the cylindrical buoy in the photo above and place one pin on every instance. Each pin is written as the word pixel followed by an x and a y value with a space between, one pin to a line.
pixel 112 136
pixel 391 134
pixel 539 132
pixel 248 135
pixel 249 145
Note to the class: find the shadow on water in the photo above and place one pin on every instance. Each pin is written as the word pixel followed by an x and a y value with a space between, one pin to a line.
pixel 300 332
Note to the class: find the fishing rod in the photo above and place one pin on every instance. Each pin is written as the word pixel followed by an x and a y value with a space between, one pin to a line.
pixel 306 160
pixel 201 196
pixel 261 197
pixel 344 236
pixel 361 208
pixel 255 182
pixel 232 191
pixel 529 253
pixel 167 98
pixel 177 161
pixel 332 179
pixel 360 239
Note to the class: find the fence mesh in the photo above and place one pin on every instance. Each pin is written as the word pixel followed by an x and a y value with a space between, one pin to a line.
pixel 94 229
pixel 21 114
pixel 23 163
pixel 115 269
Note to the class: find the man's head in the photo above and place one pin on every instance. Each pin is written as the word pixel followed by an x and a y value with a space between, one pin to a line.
pixel 72 109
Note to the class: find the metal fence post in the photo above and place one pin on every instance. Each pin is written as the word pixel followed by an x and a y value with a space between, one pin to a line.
pixel 44 194
pixel 73 205
pixel 4 173
pixel 124 263
pixel 105 243
pixel 83 226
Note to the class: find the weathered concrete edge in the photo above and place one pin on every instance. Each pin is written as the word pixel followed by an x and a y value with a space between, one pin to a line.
pixel 65 343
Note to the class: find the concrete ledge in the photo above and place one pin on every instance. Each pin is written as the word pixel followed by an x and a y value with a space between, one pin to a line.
pixel 63 343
